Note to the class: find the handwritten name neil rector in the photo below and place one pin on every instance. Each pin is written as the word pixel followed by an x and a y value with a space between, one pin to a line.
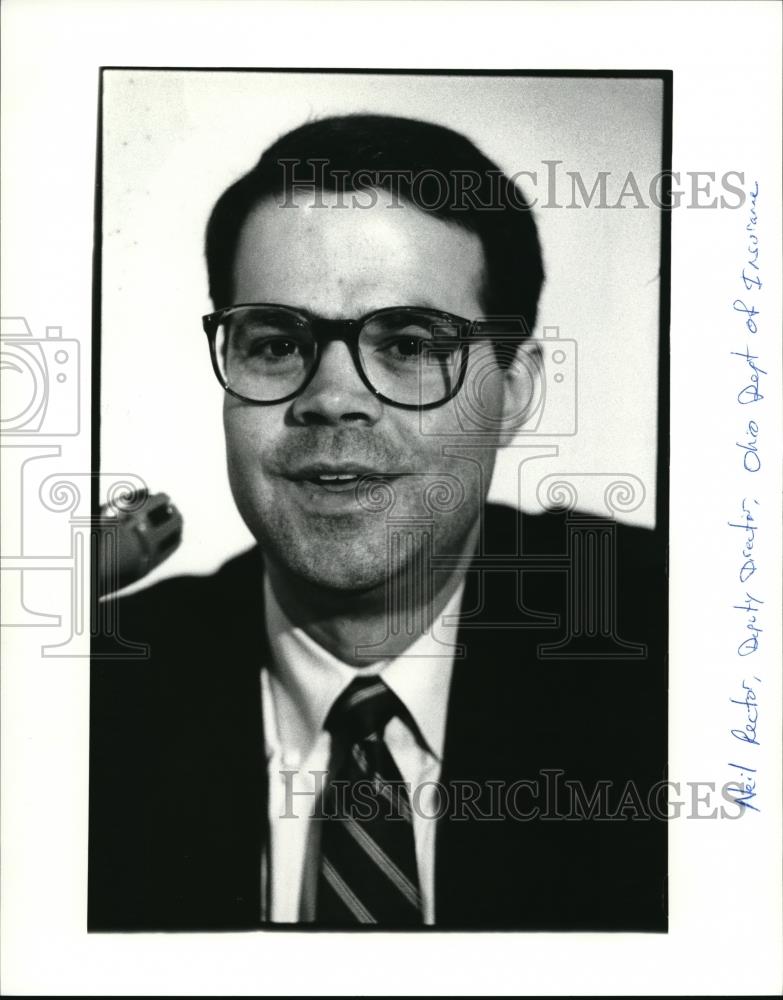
pixel 745 525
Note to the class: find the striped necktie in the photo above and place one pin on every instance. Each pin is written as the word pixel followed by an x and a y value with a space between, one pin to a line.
pixel 368 871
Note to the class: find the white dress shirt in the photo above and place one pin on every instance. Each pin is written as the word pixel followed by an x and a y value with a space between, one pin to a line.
pixel 298 689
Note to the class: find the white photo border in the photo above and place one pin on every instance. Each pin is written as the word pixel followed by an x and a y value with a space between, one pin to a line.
pixel 725 877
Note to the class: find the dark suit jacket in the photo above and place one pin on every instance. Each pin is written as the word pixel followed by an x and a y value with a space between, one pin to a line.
pixel 563 680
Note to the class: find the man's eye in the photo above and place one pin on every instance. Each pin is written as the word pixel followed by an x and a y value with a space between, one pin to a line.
pixel 272 348
pixel 280 348
pixel 408 347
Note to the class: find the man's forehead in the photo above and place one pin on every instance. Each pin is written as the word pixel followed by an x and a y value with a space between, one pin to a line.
pixel 354 250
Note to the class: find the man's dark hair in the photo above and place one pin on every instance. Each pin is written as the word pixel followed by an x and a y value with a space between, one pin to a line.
pixel 432 167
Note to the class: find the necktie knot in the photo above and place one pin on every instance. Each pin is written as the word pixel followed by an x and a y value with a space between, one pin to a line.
pixel 362 710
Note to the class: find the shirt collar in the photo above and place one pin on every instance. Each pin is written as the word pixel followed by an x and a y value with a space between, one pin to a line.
pixel 305 679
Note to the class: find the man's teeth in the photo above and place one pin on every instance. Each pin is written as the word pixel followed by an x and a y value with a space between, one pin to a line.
pixel 336 478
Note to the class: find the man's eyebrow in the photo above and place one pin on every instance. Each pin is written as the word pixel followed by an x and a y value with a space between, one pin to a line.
pixel 420 303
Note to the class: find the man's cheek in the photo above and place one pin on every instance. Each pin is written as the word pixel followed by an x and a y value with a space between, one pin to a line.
pixel 437 423
pixel 249 486
pixel 246 440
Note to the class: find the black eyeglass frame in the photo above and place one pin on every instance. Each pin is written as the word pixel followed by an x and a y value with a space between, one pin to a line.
pixel 347 330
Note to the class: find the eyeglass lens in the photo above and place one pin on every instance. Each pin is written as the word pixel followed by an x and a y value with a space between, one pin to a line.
pixel 409 356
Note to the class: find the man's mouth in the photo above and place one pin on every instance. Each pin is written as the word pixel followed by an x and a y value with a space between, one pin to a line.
pixel 337 480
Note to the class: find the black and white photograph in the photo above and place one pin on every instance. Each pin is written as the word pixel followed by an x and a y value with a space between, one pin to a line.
pixel 390 431
pixel 383 710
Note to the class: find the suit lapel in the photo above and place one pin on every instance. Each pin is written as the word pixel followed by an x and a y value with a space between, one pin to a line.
pixel 490 728
pixel 488 863
pixel 214 789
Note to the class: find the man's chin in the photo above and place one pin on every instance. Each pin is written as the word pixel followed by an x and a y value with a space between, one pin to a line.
pixel 346 580
pixel 331 565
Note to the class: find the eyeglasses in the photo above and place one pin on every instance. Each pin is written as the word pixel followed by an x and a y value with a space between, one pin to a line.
pixel 409 357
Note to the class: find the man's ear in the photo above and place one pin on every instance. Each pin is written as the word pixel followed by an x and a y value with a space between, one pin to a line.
pixel 523 380
pixel 503 388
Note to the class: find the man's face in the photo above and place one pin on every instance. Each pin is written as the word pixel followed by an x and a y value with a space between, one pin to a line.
pixel 342 262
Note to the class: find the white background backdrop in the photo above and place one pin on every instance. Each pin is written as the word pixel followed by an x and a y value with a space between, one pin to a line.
pixel 174 141
pixel 725 877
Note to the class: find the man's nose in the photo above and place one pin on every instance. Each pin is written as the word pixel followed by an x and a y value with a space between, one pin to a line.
pixel 337 393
